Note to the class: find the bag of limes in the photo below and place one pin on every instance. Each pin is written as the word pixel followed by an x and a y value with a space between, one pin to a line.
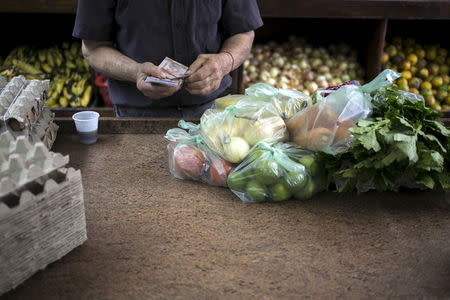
pixel 191 159
pixel 231 133
pixel 277 172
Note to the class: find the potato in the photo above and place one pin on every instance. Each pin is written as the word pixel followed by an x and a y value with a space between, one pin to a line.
pixel 326 118
pixel 303 121
pixel 301 139
pixel 319 138
pixel 296 122
pixel 342 132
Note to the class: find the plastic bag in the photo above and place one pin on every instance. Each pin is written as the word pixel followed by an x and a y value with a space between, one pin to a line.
pixel 287 102
pixel 232 132
pixel 325 125
pixel 277 172
pixel 191 159
pixel 224 102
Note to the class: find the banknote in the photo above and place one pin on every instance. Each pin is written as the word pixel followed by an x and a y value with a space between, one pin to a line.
pixel 176 71
pixel 174 68
pixel 168 82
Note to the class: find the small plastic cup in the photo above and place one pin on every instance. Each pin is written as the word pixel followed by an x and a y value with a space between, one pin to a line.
pixel 86 123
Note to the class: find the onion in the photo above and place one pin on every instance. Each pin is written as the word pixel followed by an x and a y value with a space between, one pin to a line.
pixel 236 149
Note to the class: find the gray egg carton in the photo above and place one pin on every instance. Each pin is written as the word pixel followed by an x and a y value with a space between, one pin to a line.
pixel 24 111
pixel 10 93
pixel 22 163
pixel 41 209
pixel 45 129
pixel 3 83
pixel 40 226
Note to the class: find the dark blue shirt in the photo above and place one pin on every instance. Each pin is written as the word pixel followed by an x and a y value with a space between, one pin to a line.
pixel 150 30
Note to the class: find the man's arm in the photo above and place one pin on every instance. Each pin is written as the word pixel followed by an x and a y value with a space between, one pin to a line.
pixel 207 72
pixel 107 60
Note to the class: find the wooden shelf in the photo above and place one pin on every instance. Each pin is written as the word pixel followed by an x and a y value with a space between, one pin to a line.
pixel 357 9
pixel 38 6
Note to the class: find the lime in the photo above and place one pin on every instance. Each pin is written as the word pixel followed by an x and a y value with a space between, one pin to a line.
pixel 237 181
pixel 267 171
pixel 255 191
pixel 310 164
pixel 307 192
pixel 280 192
pixel 295 180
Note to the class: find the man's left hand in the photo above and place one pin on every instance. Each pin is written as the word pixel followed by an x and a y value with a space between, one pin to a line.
pixel 206 73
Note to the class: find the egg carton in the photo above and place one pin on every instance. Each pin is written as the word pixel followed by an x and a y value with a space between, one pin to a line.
pixel 9 94
pixel 22 163
pixel 3 83
pixel 45 129
pixel 40 226
pixel 25 110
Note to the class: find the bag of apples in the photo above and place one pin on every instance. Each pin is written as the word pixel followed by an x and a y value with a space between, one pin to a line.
pixel 191 159
pixel 325 126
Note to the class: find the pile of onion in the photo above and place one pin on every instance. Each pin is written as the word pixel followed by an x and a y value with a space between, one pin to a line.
pixel 297 65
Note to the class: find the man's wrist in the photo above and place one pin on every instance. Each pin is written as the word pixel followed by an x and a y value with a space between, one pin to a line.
pixel 227 62
pixel 137 71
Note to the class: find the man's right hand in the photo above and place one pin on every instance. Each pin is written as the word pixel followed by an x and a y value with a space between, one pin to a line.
pixel 153 91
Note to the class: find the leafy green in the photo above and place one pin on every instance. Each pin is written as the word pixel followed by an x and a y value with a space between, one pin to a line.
pixel 403 145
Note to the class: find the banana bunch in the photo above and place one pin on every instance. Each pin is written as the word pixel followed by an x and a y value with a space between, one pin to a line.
pixel 72 91
pixel 64 65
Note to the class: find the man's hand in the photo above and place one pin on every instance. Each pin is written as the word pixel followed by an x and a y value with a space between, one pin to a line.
pixel 206 73
pixel 151 90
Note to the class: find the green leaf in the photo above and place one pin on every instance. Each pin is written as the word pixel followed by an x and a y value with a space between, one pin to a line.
pixel 444 180
pixel 407 145
pixel 392 157
pixel 365 123
pixel 405 123
pixel 369 141
pixel 440 127
pixel 431 138
pixel 427 181
pixel 430 160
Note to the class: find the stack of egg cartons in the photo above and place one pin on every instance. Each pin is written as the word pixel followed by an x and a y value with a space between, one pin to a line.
pixel 41 209
pixel 22 110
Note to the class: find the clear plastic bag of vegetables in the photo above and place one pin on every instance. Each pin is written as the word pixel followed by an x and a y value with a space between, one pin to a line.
pixel 286 102
pixel 232 132
pixel 325 125
pixel 278 172
pixel 191 159
pixel 229 100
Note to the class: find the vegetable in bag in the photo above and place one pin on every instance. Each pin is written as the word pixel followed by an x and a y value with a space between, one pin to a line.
pixel 286 102
pixel 326 125
pixel 277 172
pixel 191 159
pixel 232 132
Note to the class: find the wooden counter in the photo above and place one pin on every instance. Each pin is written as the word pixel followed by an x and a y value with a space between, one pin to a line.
pixel 151 236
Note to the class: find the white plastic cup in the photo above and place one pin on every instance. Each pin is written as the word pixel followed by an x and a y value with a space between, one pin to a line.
pixel 86 123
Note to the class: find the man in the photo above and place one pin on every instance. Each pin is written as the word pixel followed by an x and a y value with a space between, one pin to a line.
pixel 127 39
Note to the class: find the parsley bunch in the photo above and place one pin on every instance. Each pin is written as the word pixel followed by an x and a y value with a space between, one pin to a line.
pixel 403 145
